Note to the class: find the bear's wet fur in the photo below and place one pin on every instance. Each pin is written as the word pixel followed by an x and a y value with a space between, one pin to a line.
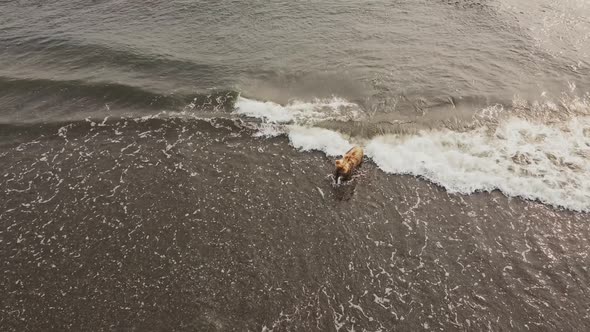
pixel 349 163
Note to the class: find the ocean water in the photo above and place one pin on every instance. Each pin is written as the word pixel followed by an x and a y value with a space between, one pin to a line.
pixel 165 165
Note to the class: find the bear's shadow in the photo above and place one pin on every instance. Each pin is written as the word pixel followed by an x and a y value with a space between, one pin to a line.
pixel 344 190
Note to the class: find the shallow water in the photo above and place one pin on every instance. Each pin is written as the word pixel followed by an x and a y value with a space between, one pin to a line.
pixel 164 165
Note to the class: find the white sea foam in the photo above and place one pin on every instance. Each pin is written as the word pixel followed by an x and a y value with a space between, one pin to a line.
pixel 298 112
pixel 319 139
pixel 540 160
pixel 520 158
pixel 268 130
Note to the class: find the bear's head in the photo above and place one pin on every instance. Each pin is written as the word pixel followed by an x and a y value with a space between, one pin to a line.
pixel 342 167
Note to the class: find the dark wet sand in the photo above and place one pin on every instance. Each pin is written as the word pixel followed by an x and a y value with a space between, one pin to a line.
pixel 178 225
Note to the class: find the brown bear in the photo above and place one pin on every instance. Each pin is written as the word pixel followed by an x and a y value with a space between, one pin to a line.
pixel 348 164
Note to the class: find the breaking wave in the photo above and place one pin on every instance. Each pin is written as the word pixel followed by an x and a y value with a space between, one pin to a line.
pixel 538 151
